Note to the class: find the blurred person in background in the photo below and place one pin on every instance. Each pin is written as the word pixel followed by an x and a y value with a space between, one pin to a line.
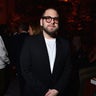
pixel 16 46
pixel 34 28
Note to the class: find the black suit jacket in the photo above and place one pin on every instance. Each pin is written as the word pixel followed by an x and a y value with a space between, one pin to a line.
pixel 36 68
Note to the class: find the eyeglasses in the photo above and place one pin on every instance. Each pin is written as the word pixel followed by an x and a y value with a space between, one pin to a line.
pixel 49 19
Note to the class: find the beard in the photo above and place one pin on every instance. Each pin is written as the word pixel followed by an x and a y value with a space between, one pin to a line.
pixel 50 33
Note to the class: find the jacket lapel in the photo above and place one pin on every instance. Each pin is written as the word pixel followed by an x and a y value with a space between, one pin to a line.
pixel 45 54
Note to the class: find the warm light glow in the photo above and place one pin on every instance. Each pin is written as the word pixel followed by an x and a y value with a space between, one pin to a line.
pixel 64 0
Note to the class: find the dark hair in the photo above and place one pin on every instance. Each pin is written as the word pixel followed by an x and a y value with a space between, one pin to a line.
pixel 24 26
pixel 54 8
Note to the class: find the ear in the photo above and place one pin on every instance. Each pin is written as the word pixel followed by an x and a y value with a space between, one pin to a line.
pixel 41 22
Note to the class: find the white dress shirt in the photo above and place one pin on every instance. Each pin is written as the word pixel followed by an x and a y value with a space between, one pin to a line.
pixel 51 47
pixel 3 55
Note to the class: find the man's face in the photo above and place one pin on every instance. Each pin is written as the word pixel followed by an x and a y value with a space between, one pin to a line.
pixel 50 22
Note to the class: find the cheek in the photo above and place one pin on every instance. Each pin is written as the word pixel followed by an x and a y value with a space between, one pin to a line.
pixel 57 26
pixel 44 25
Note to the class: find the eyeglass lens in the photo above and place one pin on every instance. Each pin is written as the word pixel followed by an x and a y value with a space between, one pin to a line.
pixel 49 19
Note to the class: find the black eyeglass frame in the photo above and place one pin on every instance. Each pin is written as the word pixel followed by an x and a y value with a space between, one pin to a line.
pixel 49 19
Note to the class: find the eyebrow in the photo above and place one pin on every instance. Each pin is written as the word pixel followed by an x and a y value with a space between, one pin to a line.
pixel 51 16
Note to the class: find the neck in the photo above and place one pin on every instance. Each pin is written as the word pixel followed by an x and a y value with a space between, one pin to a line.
pixel 48 36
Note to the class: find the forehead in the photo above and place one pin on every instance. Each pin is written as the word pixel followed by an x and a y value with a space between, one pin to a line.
pixel 51 12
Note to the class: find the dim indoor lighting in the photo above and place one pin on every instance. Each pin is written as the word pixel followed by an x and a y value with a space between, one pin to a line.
pixel 64 0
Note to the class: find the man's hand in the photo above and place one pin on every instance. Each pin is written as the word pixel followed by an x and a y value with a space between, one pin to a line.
pixel 52 92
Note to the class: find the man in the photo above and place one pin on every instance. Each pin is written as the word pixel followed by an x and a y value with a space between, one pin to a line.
pixel 45 60
pixel 16 46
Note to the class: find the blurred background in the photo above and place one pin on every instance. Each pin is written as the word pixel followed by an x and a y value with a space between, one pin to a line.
pixel 79 15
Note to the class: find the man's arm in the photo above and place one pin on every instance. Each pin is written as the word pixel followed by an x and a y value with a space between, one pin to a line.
pixel 3 53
